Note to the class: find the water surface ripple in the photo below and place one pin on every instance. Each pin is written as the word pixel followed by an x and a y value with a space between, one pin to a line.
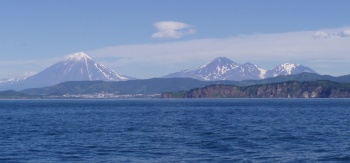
pixel 203 130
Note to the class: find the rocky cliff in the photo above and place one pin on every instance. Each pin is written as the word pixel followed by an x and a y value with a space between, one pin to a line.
pixel 291 89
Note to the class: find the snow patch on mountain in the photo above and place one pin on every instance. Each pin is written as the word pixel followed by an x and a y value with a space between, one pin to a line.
pixel 262 73
pixel 77 57
pixel 289 67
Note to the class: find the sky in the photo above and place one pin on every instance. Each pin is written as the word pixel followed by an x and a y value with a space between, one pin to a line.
pixel 146 39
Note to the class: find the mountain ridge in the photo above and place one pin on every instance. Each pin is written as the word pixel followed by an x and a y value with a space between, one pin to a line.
pixel 222 68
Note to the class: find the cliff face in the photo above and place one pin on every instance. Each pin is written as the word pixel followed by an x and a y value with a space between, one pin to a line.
pixel 294 89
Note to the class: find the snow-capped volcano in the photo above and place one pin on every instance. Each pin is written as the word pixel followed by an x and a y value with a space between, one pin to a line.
pixel 75 67
pixel 288 69
pixel 78 67
pixel 214 70
pixel 222 68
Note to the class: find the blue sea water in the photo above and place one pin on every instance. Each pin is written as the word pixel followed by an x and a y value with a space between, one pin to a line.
pixel 194 130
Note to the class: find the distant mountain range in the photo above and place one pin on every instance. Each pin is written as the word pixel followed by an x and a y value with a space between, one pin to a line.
pixel 80 67
pixel 75 67
pixel 222 68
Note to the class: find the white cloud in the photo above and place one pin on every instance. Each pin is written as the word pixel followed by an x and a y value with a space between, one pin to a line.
pixel 325 35
pixel 172 30
pixel 321 34
pixel 344 33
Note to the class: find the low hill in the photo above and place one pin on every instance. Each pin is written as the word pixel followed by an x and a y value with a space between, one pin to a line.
pixel 290 89
pixel 11 94
pixel 147 86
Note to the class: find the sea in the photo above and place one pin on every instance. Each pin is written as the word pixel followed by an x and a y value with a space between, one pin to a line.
pixel 175 130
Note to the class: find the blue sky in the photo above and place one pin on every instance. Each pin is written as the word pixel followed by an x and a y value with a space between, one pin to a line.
pixel 152 38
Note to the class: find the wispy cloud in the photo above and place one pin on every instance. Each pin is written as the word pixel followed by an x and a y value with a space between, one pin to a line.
pixel 172 30
pixel 326 35
pixel 344 33
pixel 321 34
